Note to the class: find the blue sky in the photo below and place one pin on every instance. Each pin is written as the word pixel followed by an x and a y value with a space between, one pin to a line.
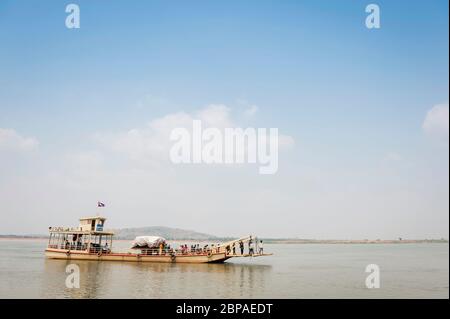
pixel 350 97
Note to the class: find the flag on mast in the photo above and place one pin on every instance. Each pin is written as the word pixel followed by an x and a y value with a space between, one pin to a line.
pixel 100 204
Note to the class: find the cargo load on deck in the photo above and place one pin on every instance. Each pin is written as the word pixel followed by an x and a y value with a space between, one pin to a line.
pixel 149 242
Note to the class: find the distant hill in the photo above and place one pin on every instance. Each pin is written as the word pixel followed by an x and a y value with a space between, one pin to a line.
pixel 162 231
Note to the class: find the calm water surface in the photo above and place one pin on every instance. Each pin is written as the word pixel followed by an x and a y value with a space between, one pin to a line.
pixel 295 271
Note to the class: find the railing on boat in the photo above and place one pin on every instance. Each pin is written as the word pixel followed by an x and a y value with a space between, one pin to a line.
pixel 68 246
pixel 176 252
pixel 229 248
pixel 82 247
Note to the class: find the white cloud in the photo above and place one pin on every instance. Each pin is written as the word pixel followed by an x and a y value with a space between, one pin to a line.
pixel 250 109
pixel 151 143
pixel 436 122
pixel 10 140
pixel 215 115
pixel 85 159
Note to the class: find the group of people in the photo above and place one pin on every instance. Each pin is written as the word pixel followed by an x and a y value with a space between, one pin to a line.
pixel 253 245
pixel 196 249
pixel 192 249
pixel 74 243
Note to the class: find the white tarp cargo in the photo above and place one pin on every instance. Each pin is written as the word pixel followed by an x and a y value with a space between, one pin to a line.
pixel 147 242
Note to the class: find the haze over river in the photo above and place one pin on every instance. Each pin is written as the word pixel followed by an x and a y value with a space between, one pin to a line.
pixel 294 271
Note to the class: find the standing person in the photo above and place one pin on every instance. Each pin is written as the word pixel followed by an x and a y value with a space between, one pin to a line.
pixel 241 246
pixel 261 248
pixel 250 246
pixel 234 248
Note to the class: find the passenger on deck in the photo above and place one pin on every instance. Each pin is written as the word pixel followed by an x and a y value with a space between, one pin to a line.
pixel 251 250
pixel 234 248
pixel 261 250
pixel 241 246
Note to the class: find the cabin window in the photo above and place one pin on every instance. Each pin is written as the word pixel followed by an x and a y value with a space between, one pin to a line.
pixel 99 225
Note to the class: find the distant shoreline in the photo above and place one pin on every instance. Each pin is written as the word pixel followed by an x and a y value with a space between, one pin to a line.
pixel 274 240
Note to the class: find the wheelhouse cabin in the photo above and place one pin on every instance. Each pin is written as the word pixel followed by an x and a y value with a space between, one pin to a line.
pixel 89 236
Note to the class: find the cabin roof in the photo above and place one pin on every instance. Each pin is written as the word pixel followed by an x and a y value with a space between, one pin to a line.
pixel 93 217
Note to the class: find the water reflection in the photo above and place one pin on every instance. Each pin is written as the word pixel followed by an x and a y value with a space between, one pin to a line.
pixel 94 277
pixel 155 280
pixel 295 271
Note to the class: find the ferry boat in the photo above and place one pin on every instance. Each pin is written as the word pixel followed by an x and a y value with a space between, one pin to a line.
pixel 90 241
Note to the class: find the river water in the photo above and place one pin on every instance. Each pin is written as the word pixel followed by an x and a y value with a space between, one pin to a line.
pixel 294 271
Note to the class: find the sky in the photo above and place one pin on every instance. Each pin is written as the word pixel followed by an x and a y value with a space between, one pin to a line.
pixel 85 116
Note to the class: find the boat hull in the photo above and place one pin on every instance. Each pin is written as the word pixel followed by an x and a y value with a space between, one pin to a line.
pixel 129 257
